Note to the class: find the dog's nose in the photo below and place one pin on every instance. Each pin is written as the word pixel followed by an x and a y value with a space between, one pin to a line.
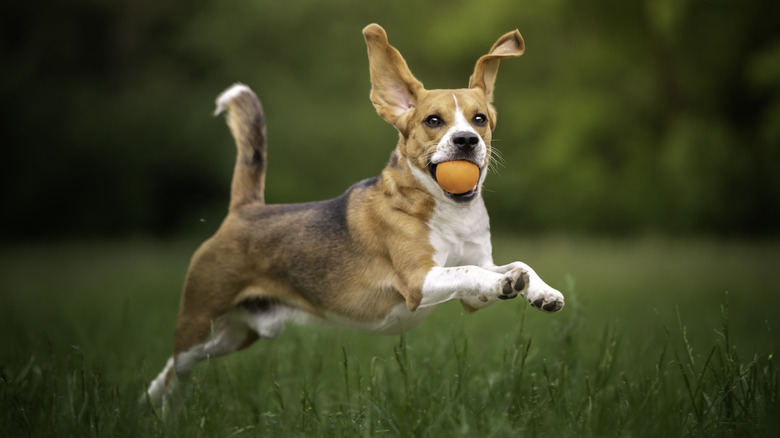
pixel 465 141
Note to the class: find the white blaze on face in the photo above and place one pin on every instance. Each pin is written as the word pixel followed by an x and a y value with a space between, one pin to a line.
pixel 446 150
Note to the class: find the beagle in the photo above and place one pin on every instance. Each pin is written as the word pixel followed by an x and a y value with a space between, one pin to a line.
pixel 378 258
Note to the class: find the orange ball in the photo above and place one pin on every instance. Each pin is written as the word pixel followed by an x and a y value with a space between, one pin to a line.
pixel 457 177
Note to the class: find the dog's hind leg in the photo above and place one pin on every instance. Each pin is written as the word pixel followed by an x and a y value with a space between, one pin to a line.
pixel 205 326
pixel 226 335
pixel 235 330
pixel 201 336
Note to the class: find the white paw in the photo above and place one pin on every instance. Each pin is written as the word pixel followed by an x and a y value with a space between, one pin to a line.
pixel 544 298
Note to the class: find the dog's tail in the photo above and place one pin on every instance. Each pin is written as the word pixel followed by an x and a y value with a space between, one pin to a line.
pixel 246 120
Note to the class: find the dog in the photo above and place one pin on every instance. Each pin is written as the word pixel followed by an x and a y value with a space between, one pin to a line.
pixel 378 258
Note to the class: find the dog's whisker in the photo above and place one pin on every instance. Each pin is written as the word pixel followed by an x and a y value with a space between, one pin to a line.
pixel 496 160
pixel 428 154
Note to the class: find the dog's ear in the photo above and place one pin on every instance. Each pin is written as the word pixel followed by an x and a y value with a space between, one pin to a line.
pixel 484 77
pixel 394 90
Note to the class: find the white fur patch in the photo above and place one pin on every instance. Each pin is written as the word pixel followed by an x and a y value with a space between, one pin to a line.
pixel 460 234
pixel 271 323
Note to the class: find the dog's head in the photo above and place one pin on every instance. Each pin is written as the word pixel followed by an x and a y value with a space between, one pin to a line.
pixel 437 125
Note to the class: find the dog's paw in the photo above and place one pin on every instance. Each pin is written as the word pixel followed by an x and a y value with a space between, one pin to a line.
pixel 544 298
pixel 514 283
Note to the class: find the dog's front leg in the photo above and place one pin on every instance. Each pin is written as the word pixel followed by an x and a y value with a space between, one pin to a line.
pixel 475 285
pixel 478 287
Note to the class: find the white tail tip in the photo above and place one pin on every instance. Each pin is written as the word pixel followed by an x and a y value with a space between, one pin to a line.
pixel 223 100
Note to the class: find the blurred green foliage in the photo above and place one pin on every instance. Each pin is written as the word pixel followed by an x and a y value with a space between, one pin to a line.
pixel 622 117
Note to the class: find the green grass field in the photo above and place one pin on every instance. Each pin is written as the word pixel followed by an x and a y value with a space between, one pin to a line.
pixel 658 338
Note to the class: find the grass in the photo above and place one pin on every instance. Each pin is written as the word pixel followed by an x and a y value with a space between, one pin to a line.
pixel 658 338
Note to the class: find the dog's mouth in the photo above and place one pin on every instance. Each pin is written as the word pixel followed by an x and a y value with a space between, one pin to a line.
pixel 457 197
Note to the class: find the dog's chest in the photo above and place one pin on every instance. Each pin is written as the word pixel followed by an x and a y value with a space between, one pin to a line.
pixel 460 235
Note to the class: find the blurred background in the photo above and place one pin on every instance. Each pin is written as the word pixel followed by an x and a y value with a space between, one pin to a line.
pixel 622 118
pixel 639 143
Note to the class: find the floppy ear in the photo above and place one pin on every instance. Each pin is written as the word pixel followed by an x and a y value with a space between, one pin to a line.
pixel 484 77
pixel 394 90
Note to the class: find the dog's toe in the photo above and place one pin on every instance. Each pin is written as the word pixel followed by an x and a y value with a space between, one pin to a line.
pixel 514 284
pixel 521 282
pixel 507 289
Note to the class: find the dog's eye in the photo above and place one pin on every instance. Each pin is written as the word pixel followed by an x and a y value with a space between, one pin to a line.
pixel 480 119
pixel 434 121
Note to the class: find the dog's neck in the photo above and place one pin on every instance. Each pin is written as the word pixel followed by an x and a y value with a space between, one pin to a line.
pixel 403 189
